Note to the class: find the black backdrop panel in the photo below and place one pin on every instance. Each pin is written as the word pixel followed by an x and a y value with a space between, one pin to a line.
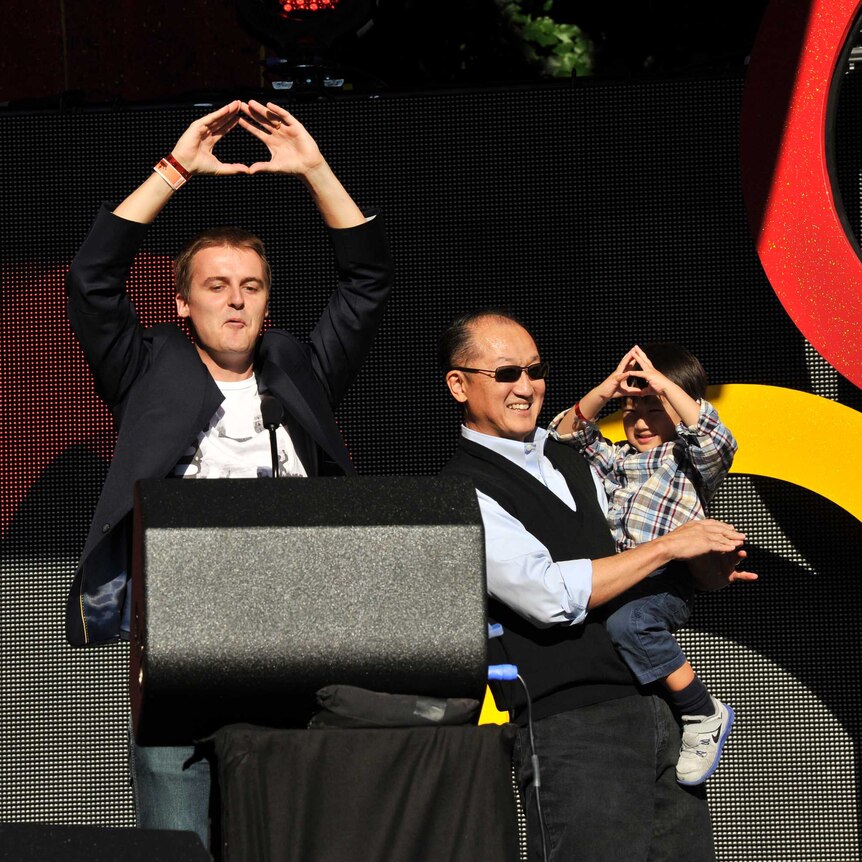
pixel 605 215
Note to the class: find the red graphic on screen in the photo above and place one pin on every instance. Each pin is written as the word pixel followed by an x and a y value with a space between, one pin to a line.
pixel 49 401
pixel 812 264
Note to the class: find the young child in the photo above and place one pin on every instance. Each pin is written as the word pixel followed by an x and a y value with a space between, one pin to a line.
pixel 676 454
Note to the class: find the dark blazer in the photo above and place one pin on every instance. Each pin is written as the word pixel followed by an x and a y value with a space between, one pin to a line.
pixel 162 396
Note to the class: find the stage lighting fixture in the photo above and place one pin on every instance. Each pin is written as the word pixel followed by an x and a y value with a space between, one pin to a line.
pixel 291 26
pixel 289 7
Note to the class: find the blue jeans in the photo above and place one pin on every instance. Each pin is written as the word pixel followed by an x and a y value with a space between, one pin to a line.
pixel 172 788
pixel 642 621
pixel 609 788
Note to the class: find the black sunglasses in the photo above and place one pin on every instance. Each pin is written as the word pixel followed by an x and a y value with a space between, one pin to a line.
pixel 510 373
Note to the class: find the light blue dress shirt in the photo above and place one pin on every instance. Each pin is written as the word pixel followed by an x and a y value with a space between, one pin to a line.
pixel 521 573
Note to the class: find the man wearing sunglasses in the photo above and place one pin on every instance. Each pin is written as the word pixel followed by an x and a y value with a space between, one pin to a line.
pixel 607 749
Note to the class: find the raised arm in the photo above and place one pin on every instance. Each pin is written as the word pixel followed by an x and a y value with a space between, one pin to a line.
pixel 613 386
pixel 709 448
pixel 99 308
pixel 293 151
pixel 343 336
pixel 194 154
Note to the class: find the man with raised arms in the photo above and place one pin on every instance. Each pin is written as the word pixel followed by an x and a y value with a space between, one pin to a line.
pixel 193 408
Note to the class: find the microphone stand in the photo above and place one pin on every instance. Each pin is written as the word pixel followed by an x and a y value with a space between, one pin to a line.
pixel 271 413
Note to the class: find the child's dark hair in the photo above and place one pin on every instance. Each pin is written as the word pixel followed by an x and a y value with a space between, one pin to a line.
pixel 677 364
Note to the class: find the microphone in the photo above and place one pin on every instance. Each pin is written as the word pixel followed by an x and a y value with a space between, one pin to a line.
pixel 271 413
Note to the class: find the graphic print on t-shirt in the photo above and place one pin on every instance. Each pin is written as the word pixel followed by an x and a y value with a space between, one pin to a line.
pixel 236 445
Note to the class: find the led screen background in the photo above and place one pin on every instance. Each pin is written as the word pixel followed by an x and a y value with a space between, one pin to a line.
pixel 604 214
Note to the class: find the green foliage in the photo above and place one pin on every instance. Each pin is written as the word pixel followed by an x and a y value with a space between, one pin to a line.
pixel 558 48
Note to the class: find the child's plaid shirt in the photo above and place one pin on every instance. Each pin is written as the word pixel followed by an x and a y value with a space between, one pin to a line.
pixel 651 493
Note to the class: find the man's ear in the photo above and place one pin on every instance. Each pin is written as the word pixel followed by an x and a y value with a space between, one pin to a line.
pixel 182 306
pixel 456 381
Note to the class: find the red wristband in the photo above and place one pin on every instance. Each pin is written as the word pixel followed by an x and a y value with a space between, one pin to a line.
pixel 581 417
pixel 170 158
pixel 172 172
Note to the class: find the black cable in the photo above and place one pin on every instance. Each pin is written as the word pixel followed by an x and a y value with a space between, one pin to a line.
pixel 534 760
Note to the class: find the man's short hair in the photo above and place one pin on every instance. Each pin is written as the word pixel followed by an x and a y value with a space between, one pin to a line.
pixel 679 365
pixel 230 237
pixel 456 341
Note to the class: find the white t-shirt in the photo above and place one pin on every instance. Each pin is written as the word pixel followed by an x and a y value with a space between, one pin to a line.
pixel 236 445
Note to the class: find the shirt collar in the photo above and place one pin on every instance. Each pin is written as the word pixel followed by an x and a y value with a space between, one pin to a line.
pixel 517 451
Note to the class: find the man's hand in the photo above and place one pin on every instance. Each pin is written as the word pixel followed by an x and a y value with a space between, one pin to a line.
pixel 696 538
pixel 194 150
pixel 612 576
pixel 715 571
pixel 292 149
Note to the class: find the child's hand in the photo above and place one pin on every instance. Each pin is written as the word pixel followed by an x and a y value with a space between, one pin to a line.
pixel 656 382
pixel 615 385
pixel 673 397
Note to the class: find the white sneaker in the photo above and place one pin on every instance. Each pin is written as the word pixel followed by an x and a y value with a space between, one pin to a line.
pixel 702 743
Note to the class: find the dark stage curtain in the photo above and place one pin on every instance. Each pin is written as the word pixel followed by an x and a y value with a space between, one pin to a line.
pixel 399 795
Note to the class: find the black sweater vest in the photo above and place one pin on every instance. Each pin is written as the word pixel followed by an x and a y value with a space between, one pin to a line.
pixel 565 667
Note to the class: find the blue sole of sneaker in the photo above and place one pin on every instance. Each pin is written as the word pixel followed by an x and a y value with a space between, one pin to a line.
pixel 721 741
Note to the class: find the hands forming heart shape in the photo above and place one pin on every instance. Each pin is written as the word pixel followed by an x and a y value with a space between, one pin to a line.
pixel 292 149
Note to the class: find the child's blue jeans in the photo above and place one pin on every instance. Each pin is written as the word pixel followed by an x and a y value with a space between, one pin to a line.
pixel 642 620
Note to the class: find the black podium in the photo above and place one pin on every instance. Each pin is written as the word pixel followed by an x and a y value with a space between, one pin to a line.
pixel 249 595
